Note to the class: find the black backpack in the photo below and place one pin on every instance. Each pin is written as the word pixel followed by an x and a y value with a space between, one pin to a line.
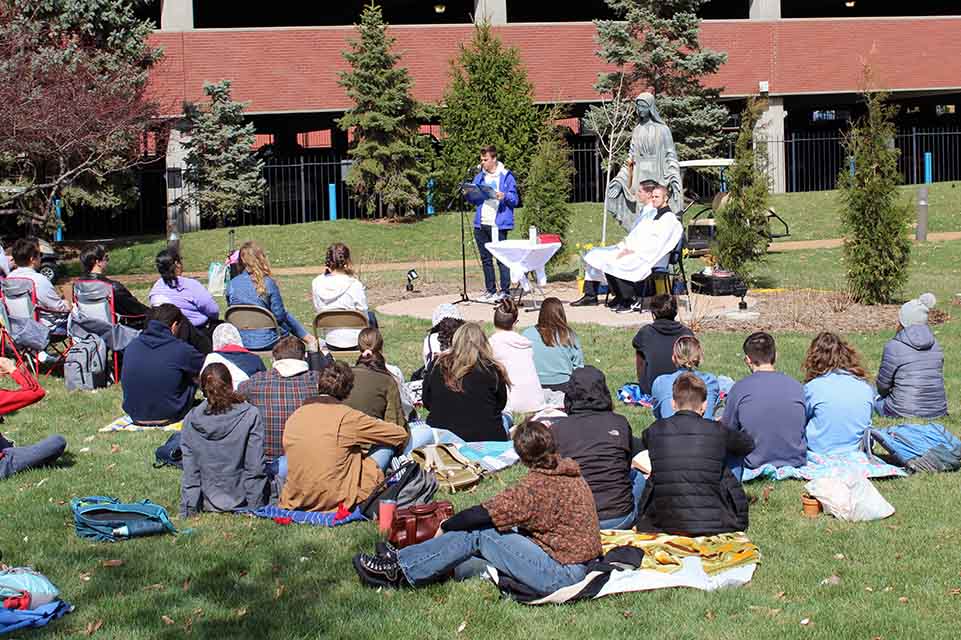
pixel 408 485
pixel 169 453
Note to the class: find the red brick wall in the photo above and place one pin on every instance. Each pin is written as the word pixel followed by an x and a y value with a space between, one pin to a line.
pixel 283 70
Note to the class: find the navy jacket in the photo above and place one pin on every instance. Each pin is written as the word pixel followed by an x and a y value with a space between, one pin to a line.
pixel 158 375
pixel 911 379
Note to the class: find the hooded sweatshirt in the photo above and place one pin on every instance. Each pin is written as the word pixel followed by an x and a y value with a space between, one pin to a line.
pixel 911 379
pixel 336 291
pixel 223 457
pixel 158 375
pixel 516 353
pixel 655 343
pixel 599 440
pixel 241 363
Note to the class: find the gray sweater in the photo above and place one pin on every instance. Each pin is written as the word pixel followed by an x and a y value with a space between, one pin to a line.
pixel 223 456
pixel 911 379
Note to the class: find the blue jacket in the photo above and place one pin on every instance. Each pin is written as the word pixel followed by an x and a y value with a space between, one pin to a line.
pixel 505 209
pixel 241 290
pixel 663 392
pixel 158 375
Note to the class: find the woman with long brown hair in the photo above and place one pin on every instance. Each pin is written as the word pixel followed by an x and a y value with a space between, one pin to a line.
pixel 837 396
pixel 255 286
pixel 465 388
pixel 223 450
pixel 557 351
pixel 339 289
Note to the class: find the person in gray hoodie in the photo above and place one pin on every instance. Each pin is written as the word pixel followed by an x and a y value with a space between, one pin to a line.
pixel 223 450
pixel 911 380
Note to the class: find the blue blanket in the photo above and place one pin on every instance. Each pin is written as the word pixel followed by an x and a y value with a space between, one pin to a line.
pixel 819 466
pixel 14 619
pixel 315 518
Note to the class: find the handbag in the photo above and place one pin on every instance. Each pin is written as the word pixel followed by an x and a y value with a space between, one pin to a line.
pixel 453 470
pixel 419 523
pixel 408 485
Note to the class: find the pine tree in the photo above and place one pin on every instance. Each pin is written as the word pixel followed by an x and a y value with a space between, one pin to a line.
pixel 223 176
pixel 489 101
pixel 549 187
pixel 658 41
pixel 390 166
pixel 742 235
pixel 876 246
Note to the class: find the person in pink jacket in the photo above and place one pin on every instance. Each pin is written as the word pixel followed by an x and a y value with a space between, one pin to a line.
pixel 516 354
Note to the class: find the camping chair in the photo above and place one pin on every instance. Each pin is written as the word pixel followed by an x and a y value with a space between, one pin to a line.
pixel 340 319
pixel 95 299
pixel 6 340
pixel 20 301
pixel 249 316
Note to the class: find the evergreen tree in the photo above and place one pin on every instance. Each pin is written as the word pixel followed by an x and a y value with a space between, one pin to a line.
pixel 223 175
pixel 656 42
pixel 489 101
pixel 549 186
pixel 742 235
pixel 390 164
pixel 877 250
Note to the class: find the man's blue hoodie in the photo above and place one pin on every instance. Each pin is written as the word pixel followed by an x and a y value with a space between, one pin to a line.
pixel 158 375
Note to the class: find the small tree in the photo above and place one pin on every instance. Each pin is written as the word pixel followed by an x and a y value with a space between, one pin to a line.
pixel 390 166
pixel 742 235
pixel 549 186
pixel 489 101
pixel 223 175
pixel 877 250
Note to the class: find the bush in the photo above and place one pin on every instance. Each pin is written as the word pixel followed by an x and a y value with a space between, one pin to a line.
pixel 549 188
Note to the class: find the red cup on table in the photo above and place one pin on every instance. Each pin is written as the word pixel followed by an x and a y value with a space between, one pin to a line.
pixel 385 514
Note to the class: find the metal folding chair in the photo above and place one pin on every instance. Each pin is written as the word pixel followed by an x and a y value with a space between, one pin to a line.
pixel 340 319
pixel 249 316
pixel 20 301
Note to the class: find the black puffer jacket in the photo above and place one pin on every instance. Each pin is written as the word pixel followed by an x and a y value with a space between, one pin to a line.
pixel 691 490
pixel 599 441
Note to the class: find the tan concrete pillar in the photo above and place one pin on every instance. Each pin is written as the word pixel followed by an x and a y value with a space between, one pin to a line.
pixel 765 10
pixel 493 10
pixel 176 15
pixel 770 128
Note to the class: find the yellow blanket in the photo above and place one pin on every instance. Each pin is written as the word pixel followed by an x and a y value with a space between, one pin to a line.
pixel 663 552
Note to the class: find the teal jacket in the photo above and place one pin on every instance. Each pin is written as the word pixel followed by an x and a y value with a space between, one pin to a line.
pixel 554 364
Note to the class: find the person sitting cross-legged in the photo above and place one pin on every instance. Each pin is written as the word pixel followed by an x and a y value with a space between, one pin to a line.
pixel 375 391
pixel 691 490
pixel 654 342
pixel 557 350
pixel 687 357
pixel 14 459
pixel 541 532
pixel 516 354
pixel 229 351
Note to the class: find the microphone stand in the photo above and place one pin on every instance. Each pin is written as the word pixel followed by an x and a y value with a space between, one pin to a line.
pixel 463 245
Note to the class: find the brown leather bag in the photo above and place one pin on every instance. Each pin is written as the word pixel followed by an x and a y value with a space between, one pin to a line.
pixel 419 523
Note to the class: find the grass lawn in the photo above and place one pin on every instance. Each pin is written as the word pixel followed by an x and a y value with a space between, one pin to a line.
pixel 238 577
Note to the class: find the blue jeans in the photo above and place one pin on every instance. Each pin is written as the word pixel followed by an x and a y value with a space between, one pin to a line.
pixel 510 553
pixel 482 235
pixel 419 437
pixel 17 459
pixel 626 522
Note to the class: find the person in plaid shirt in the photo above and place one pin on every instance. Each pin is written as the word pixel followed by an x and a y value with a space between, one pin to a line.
pixel 281 390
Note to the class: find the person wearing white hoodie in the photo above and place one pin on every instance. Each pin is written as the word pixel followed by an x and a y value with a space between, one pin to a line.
pixel 516 354
pixel 338 289
pixel 494 217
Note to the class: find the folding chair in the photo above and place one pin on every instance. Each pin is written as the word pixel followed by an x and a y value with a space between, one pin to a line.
pixel 340 319
pixel 20 300
pixel 6 340
pixel 249 316
pixel 94 299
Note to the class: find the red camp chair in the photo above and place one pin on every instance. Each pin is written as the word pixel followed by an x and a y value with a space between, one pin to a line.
pixel 94 299
pixel 20 301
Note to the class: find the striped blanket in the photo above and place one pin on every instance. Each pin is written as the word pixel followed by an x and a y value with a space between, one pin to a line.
pixel 315 518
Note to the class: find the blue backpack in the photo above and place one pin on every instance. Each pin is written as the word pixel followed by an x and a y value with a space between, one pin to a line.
pixel 109 520
pixel 918 447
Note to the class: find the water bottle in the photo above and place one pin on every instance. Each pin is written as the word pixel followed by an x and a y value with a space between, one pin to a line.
pixel 533 235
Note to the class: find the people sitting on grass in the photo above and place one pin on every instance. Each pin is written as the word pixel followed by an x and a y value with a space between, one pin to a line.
pixel 541 532
pixel 911 379
pixel 94 259
pixel 516 354
pixel 51 305
pixel 557 351
pixel 223 450
pixel 769 406
pixel 687 357
pixel 159 371
pixel 838 399
pixel 338 289
pixel 465 389
pixel 229 351
pixel 375 390
pixel 326 445
pixel 601 443
pixel 187 294
pixel 691 490
pixel 445 320
pixel 281 390
pixel 255 286
pixel 14 459
pixel 654 342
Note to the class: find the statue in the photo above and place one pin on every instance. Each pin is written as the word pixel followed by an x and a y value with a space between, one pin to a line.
pixel 654 160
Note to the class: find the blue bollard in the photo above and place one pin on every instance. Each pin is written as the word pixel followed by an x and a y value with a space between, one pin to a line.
pixel 430 197
pixel 928 170
pixel 332 200
pixel 58 210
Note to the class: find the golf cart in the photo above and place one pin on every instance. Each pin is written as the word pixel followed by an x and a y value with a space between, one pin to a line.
pixel 702 229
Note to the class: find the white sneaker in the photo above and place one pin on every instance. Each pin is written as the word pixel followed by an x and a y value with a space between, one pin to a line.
pixel 487 297
pixel 499 296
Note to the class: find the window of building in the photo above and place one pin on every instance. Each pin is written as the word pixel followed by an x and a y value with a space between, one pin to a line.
pixel 228 14
pixel 867 8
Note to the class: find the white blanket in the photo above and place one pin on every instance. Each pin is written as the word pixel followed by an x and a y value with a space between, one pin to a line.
pixel 646 244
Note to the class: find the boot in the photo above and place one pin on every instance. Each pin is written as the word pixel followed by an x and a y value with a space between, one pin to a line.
pixel 589 299
pixel 379 570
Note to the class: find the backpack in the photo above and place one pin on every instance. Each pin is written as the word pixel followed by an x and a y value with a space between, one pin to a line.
pixel 453 470
pixel 169 453
pixel 107 519
pixel 85 367
pixel 408 485
pixel 918 447
pixel 20 582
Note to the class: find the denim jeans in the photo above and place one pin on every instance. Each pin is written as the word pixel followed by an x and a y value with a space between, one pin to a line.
pixel 511 553
pixel 626 522
pixel 419 437
pixel 482 235
pixel 17 459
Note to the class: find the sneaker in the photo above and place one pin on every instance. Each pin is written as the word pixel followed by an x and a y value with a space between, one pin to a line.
pixel 379 571
pixel 624 307
pixel 500 296
pixel 612 302
pixel 384 548
pixel 585 301
pixel 487 297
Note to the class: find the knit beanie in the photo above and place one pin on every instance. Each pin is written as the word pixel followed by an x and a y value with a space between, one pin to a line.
pixel 445 310
pixel 916 311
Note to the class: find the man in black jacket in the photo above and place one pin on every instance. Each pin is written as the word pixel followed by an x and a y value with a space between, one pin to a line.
pixel 654 343
pixel 94 259
pixel 692 491
pixel 600 441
